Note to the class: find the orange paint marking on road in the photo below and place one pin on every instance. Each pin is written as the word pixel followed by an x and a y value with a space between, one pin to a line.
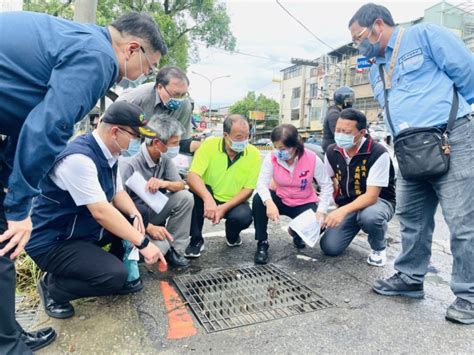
pixel 180 321
pixel 162 267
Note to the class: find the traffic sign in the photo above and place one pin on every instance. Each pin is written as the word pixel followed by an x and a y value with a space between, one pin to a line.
pixel 363 63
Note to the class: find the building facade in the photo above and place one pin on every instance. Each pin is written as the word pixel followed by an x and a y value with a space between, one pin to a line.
pixel 306 91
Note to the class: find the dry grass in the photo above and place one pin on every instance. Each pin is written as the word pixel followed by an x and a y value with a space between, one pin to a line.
pixel 27 274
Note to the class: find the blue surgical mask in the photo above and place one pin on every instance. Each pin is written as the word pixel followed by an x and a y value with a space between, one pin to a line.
pixel 174 104
pixel 129 83
pixel 238 146
pixel 171 153
pixel 133 148
pixel 345 141
pixel 283 155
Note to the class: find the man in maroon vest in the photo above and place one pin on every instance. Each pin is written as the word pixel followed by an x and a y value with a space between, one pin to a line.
pixel 365 188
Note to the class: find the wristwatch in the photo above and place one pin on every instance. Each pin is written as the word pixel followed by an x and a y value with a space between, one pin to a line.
pixel 144 243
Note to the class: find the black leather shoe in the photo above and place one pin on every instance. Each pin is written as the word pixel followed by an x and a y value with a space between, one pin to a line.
pixel 38 339
pixel 298 242
pixel 51 307
pixel 261 255
pixel 131 287
pixel 174 259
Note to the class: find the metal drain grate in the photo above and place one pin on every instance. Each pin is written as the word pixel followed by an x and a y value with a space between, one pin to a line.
pixel 25 316
pixel 237 297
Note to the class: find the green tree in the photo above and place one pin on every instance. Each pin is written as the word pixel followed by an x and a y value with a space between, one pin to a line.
pixel 184 23
pixel 253 103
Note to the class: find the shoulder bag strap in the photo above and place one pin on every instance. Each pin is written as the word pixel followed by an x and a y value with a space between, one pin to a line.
pixel 385 96
pixel 454 111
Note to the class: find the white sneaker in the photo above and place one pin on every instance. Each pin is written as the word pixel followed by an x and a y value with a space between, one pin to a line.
pixel 377 258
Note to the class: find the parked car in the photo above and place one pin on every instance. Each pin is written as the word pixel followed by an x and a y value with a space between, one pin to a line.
pixel 378 132
pixel 263 142
pixel 312 140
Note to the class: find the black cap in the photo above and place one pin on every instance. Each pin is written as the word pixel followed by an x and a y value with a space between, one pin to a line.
pixel 127 114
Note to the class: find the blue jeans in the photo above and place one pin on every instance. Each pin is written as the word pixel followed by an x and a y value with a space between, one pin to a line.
pixel 373 220
pixel 416 206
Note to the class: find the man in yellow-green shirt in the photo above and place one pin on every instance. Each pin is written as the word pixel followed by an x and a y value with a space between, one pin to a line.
pixel 222 177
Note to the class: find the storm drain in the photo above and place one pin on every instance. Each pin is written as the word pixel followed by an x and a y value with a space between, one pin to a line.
pixel 25 315
pixel 234 298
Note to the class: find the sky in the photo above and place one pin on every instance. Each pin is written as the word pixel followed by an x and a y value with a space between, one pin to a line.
pixel 262 28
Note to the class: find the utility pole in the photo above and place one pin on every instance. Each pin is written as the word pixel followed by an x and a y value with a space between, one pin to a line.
pixel 85 11
pixel 210 81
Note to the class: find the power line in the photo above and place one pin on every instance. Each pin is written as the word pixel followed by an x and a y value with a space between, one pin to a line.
pixel 264 86
pixel 243 53
pixel 305 27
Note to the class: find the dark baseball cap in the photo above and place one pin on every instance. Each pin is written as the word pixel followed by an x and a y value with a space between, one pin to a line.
pixel 127 114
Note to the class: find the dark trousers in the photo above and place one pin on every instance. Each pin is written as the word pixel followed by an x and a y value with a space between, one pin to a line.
pixel 237 219
pixel 10 330
pixel 260 219
pixel 79 268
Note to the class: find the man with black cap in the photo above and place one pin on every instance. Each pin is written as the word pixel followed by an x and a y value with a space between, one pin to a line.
pixel 82 200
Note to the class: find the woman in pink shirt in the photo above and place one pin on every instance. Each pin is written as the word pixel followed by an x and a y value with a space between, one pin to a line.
pixel 285 186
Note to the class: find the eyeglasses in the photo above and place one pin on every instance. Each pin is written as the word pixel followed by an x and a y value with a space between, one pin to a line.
pixel 153 70
pixel 357 40
pixel 133 134
pixel 176 96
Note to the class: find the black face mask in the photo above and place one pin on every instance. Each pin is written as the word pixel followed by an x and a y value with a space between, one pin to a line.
pixel 367 49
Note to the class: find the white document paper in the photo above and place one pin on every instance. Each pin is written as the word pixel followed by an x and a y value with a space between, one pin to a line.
pixel 307 227
pixel 137 184
pixel 134 255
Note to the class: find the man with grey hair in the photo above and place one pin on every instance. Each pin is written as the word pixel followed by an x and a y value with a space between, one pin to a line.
pixel 425 75
pixel 222 177
pixel 169 95
pixel 154 162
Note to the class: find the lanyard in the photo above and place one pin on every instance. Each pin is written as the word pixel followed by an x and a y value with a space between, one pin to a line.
pixel 388 76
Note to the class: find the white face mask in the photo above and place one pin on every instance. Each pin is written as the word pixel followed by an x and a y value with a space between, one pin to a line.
pixel 171 153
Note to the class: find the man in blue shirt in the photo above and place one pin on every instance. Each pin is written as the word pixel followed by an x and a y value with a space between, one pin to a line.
pixel 430 60
pixel 52 72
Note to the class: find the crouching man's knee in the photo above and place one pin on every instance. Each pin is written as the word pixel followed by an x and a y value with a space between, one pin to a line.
pixel 330 246
pixel 186 199
pixel 115 279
